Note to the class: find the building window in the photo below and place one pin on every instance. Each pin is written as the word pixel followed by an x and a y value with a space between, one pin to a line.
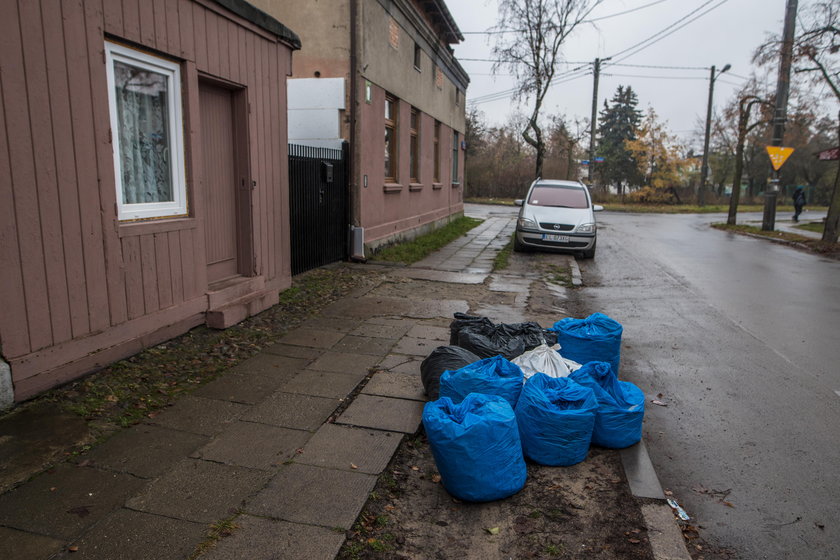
pixel 455 157
pixel 457 97
pixel 436 177
pixel 144 95
pixel 390 139
pixel 414 156
pixel 417 52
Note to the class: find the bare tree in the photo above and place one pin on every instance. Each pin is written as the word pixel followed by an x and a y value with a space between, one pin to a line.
pixel 816 52
pixel 529 46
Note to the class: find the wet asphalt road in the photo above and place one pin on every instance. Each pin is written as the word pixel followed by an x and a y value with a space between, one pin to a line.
pixel 742 339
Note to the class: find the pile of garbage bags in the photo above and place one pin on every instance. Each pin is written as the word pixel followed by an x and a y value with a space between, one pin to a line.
pixel 501 393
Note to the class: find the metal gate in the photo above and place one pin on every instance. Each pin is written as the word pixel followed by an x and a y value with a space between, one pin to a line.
pixel 318 203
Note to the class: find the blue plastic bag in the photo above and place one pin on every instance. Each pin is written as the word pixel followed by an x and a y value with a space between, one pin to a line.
pixel 621 406
pixel 556 417
pixel 491 376
pixel 594 339
pixel 476 447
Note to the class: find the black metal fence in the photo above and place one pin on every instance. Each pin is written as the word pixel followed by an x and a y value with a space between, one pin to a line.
pixel 318 203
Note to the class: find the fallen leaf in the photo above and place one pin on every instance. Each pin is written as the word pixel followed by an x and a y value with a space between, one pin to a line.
pixel 727 504
pixel 634 541
pixel 152 414
pixel 53 489
pixel 668 493
pixel 73 548
pixel 415 468
pixel 658 403
pixel 493 530
pixel 698 547
pixel 299 450
pixel 352 466
pixel 435 478
pixel 84 463
pixel 389 507
pixel 112 398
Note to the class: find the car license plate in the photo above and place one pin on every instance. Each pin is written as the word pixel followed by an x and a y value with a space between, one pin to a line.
pixel 556 238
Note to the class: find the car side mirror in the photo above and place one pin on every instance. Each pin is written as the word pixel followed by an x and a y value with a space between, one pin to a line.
pixel 519 202
pixel 597 208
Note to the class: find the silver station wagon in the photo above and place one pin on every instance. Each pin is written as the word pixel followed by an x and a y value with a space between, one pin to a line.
pixel 557 216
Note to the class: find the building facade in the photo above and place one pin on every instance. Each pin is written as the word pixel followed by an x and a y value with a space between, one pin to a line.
pixel 382 75
pixel 144 184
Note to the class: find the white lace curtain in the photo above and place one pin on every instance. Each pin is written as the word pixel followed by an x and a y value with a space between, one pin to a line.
pixel 143 113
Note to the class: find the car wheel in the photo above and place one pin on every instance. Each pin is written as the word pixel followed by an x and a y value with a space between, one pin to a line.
pixel 517 246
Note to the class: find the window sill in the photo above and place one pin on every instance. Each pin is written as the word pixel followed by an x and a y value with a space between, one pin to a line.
pixel 132 229
pixel 414 187
pixel 437 186
pixel 455 185
pixel 392 187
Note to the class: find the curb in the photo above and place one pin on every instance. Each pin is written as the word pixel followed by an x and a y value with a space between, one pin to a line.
pixel 577 280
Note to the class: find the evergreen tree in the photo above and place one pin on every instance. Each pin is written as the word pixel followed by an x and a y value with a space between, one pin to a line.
pixel 619 121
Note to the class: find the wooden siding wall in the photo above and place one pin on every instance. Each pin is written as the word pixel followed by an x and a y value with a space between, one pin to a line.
pixel 70 273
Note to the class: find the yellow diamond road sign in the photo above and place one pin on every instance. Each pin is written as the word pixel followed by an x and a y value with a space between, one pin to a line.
pixel 778 155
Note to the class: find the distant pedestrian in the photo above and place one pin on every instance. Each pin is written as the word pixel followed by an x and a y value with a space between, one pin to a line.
pixel 798 202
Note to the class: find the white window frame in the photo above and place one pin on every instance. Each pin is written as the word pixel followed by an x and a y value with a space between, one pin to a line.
pixel 178 206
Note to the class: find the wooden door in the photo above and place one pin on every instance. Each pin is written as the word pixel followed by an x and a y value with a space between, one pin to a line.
pixel 220 182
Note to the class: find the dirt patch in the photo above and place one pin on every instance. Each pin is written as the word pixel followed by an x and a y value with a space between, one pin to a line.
pixel 582 511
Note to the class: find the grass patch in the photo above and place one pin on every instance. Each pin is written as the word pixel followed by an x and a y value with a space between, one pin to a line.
pixel 217 532
pixel 559 275
pixel 830 250
pixel 490 200
pixel 137 387
pixel 818 227
pixel 755 230
pixel 502 260
pixel 420 247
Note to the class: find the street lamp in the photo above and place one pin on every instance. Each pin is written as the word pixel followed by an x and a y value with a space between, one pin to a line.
pixel 704 171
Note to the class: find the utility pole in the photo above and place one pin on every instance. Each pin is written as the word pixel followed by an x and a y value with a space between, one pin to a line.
pixel 780 114
pixel 704 170
pixel 594 119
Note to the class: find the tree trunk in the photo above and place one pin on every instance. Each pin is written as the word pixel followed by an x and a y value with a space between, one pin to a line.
pixel 832 221
pixel 743 120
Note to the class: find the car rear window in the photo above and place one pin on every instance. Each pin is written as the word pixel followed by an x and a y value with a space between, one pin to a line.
pixel 557 195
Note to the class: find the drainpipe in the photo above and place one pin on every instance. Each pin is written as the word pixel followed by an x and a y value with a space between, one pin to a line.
pixel 7 388
pixel 354 206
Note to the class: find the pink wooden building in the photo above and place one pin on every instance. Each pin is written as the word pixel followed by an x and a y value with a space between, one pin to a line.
pixel 143 177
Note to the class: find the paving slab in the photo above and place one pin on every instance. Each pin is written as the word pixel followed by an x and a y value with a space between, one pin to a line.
pixel 257 538
pixel 415 346
pixel 399 385
pixel 366 307
pixel 252 445
pixel 271 363
pixel 350 449
pixel 248 387
pixel 440 276
pixel 323 383
pixel 383 413
pixel 430 332
pixel 364 345
pixel 290 351
pixel 314 495
pixel 381 331
pixel 27 546
pixel 33 437
pixel 344 362
pixel 133 535
pixel 198 415
pixel 396 323
pixel 328 324
pixel 401 363
pixel 312 338
pixel 199 491
pixel 143 450
pixel 65 500
pixel 288 410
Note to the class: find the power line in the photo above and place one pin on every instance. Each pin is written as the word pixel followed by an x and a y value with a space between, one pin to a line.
pixel 669 30
pixel 649 76
pixel 499 31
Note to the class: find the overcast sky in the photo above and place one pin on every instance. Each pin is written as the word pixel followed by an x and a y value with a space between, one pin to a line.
pixel 719 32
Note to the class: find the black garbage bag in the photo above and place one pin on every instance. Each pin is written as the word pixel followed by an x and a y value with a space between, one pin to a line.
pixel 485 339
pixel 441 359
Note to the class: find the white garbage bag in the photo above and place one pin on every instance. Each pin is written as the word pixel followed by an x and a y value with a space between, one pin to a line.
pixel 545 359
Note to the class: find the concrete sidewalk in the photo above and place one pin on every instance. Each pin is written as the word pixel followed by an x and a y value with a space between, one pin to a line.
pixel 287 445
